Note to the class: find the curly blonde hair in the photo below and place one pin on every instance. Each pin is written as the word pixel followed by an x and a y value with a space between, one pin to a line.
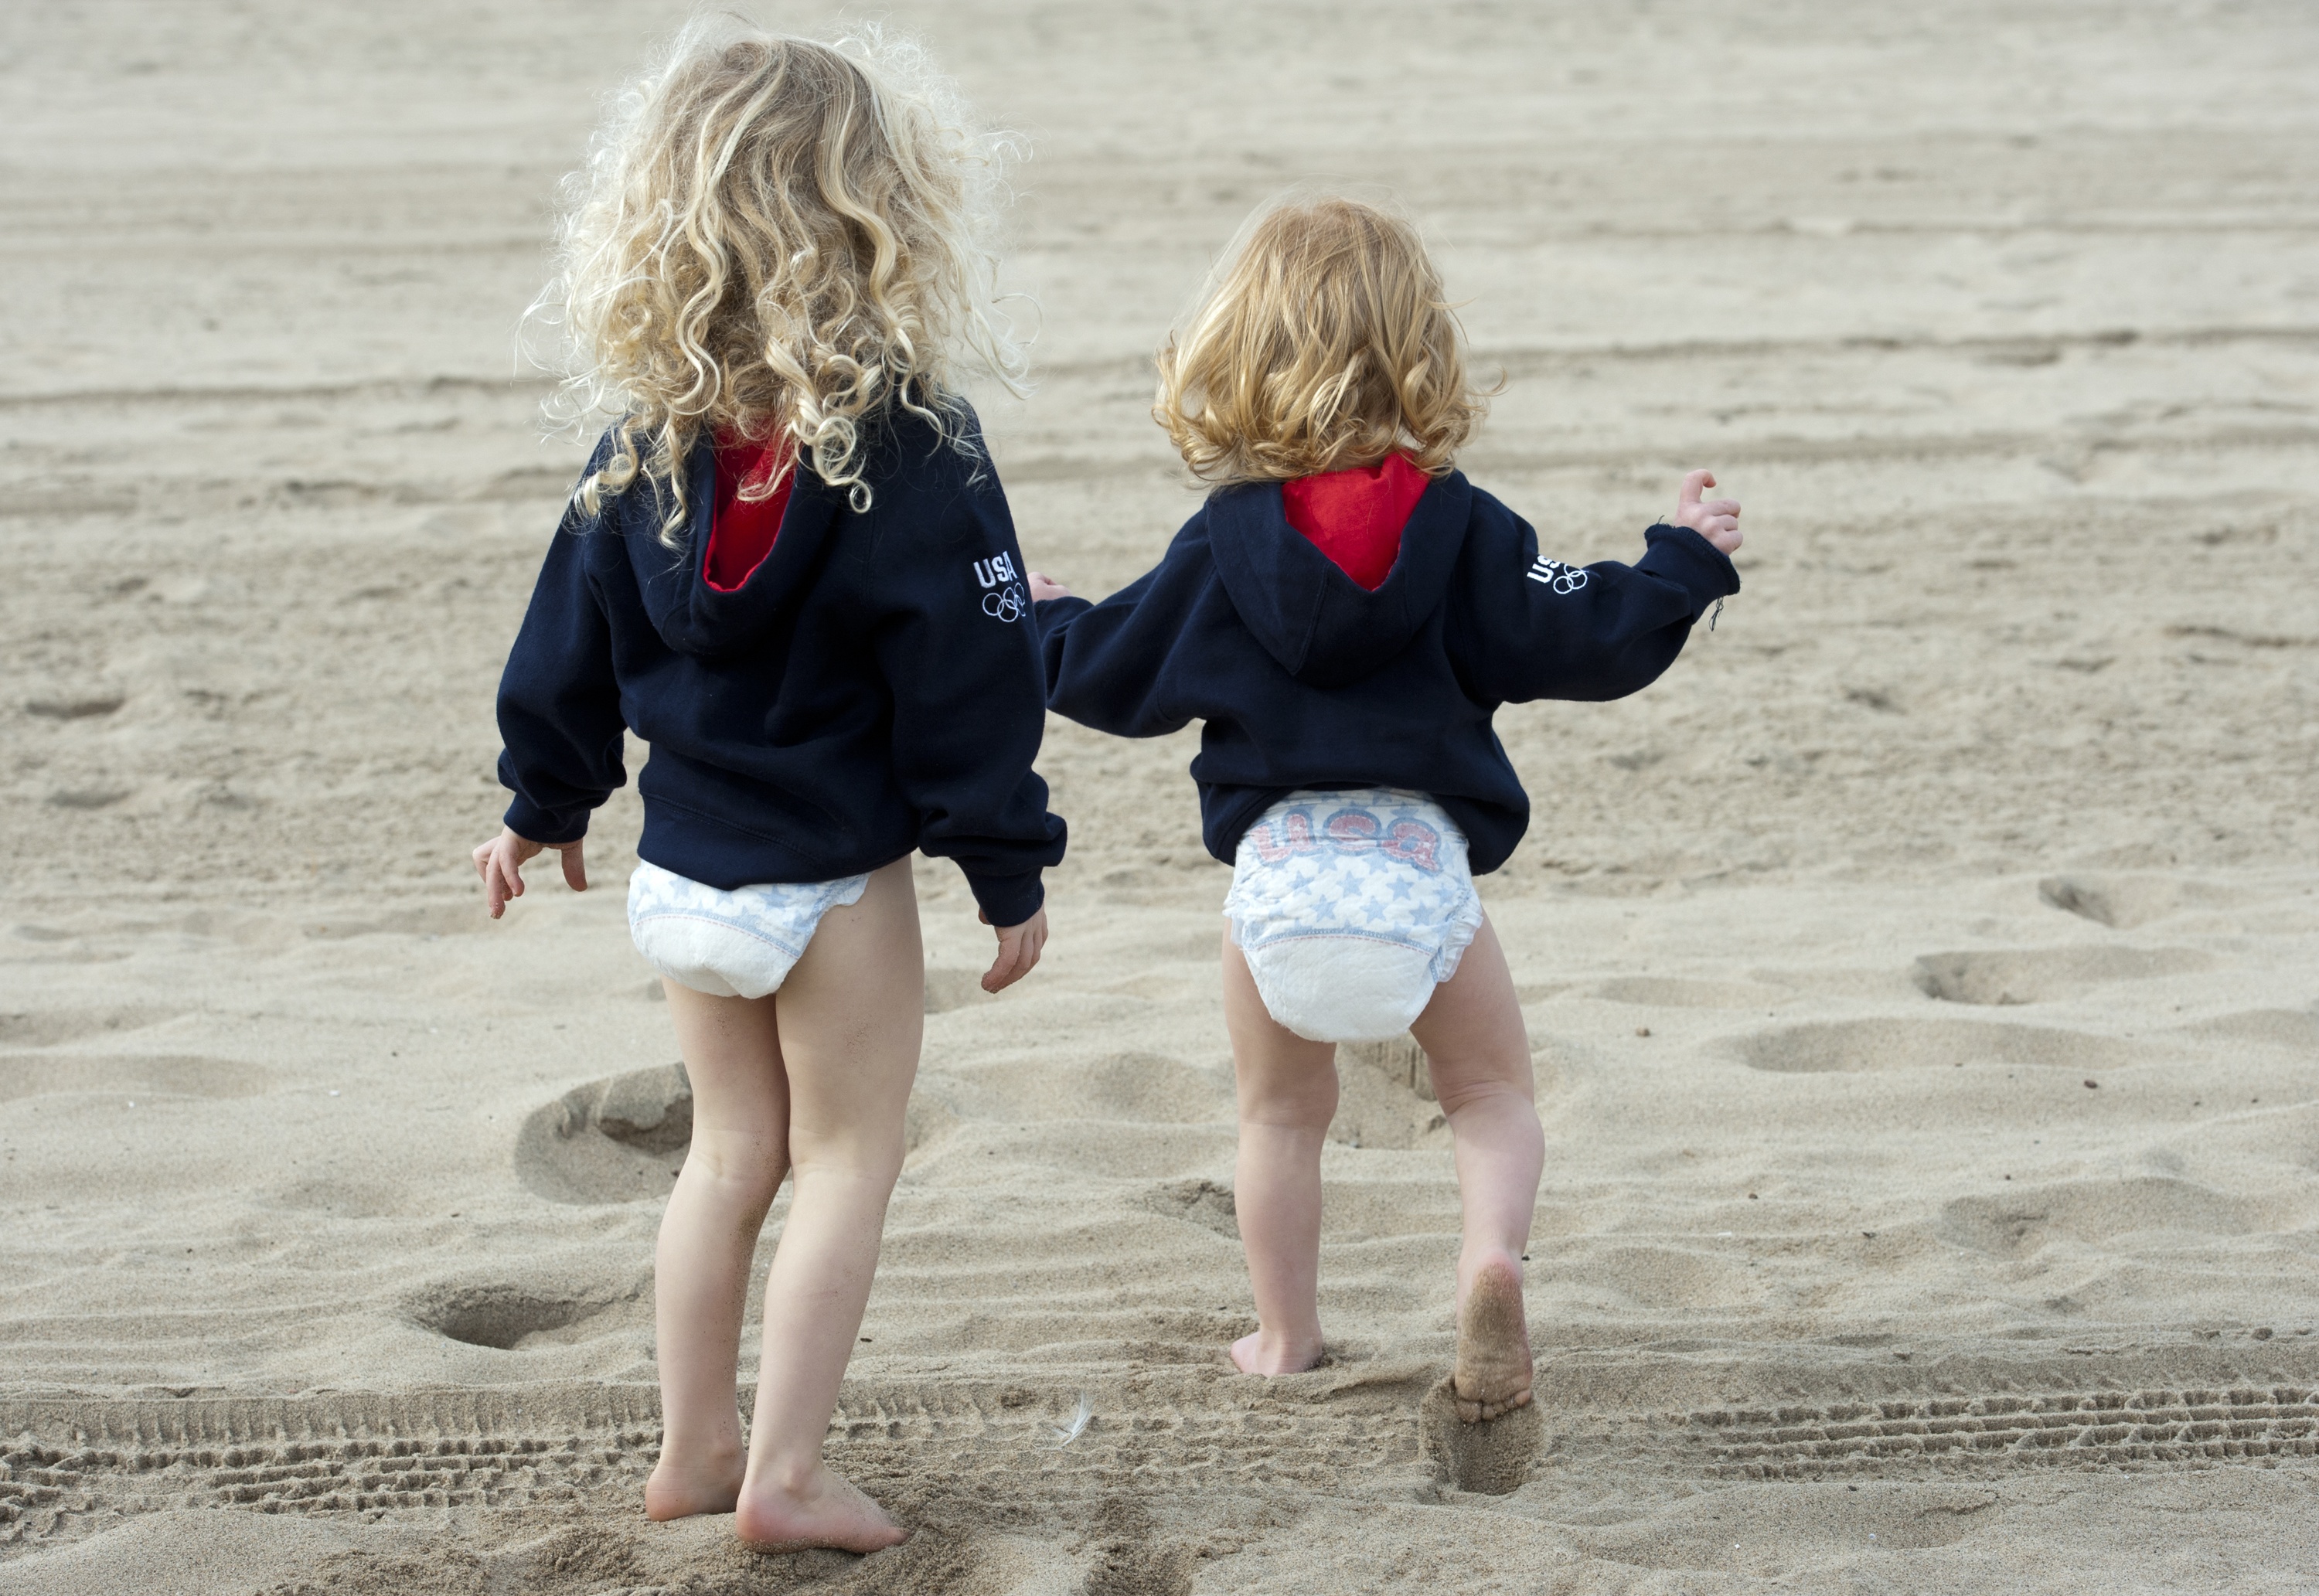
pixel 1323 342
pixel 777 238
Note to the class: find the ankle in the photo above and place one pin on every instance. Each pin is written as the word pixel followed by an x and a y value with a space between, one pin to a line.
pixel 680 1450
pixel 1286 1351
pixel 1473 1260
pixel 795 1478
pixel 699 1456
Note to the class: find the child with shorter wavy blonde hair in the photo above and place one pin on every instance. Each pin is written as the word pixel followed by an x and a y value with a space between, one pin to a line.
pixel 1326 343
pixel 1346 612
pixel 790 571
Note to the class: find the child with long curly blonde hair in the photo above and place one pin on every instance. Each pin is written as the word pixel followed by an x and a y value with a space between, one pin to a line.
pixel 789 568
pixel 1346 613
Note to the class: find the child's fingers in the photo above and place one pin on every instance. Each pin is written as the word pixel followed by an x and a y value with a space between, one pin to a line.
pixel 1692 485
pixel 1002 972
pixel 1721 507
pixel 496 876
pixel 575 870
pixel 1018 954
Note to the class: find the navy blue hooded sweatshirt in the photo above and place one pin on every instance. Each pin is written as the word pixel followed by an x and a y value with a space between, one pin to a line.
pixel 872 687
pixel 1307 681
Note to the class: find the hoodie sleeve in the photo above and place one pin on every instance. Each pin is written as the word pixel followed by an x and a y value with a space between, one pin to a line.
pixel 959 654
pixel 1536 628
pixel 559 706
pixel 1107 664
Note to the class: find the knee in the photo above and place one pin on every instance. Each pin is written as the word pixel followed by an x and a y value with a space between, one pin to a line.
pixel 1496 1095
pixel 874 1156
pixel 1308 1102
pixel 744 1171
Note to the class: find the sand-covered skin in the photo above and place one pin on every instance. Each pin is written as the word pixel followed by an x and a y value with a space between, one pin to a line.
pixel 1922 977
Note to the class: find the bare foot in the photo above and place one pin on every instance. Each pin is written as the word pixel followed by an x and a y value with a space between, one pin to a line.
pixel 824 1510
pixel 1255 1354
pixel 1493 1368
pixel 681 1487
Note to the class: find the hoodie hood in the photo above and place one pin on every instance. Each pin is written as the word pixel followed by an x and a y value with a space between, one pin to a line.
pixel 693 617
pixel 1322 627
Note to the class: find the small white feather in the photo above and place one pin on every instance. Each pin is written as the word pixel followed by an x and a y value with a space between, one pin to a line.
pixel 1078 1423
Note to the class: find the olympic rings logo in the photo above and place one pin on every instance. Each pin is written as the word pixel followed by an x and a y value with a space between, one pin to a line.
pixel 1563 579
pixel 1003 598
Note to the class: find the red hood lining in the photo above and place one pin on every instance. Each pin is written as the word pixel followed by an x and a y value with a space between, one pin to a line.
pixel 1355 517
pixel 740 532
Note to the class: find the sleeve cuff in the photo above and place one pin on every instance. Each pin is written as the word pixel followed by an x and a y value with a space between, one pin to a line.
pixel 1007 900
pixel 1680 553
pixel 528 821
pixel 1050 613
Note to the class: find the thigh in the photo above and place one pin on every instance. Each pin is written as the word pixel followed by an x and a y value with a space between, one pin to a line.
pixel 1472 1031
pixel 852 1014
pixel 740 1092
pixel 1283 1079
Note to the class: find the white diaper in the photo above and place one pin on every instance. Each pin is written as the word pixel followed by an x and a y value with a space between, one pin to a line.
pixel 728 944
pixel 1350 907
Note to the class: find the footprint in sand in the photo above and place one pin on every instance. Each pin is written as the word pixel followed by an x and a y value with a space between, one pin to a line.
pixel 1201 1203
pixel 2022 1221
pixel 624 1137
pixel 505 1316
pixel 610 1141
pixel 2039 975
pixel 2125 901
pixel 1832 1046
pixel 136 1075
pixel 47 1027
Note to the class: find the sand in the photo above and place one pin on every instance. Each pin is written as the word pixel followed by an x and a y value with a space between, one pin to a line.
pixel 1922 977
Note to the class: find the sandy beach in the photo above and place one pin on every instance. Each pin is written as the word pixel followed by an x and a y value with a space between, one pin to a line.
pixel 1923 978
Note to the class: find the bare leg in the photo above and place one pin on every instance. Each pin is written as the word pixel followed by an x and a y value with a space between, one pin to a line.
pixel 851 1018
pixel 1472 1035
pixel 1287 1096
pixel 739 1153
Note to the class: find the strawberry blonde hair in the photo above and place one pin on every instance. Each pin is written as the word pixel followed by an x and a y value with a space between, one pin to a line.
pixel 1323 342
pixel 774 239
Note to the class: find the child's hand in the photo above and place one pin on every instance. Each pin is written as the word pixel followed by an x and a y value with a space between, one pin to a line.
pixel 1717 520
pixel 1044 586
pixel 1018 946
pixel 500 862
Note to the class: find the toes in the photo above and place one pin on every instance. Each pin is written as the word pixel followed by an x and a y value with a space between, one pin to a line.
pixel 1480 1411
